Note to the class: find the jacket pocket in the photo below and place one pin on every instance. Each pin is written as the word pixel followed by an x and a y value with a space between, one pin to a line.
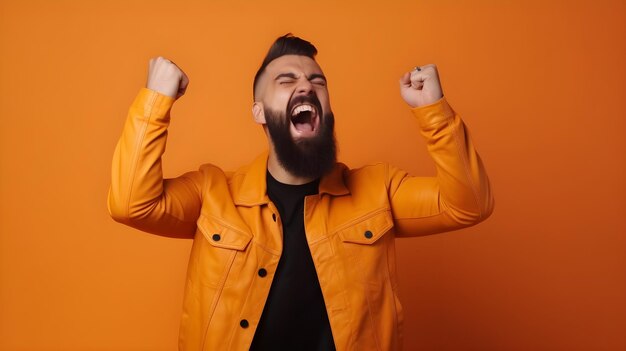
pixel 366 245
pixel 220 234
pixel 367 229
pixel 219 252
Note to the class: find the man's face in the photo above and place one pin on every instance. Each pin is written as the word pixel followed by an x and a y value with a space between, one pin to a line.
pixel 292 83
pixel 298 117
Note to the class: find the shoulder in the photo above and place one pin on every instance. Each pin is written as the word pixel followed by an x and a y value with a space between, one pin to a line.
pixel 213 176
pixel 376 172
pixel 212 170
pixel 363 181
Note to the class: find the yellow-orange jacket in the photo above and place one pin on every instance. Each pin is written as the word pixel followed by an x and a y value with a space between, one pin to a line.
pixel 350 227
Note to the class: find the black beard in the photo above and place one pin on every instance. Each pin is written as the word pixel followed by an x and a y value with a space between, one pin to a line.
pixel 307 157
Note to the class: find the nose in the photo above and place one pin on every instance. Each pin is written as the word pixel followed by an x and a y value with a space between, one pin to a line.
pixel 305 87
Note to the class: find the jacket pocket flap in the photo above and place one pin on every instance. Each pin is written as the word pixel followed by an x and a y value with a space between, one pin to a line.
pixel 219 234
pixel 367 230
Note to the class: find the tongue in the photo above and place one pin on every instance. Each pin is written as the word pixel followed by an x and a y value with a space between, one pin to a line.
pixel 304 127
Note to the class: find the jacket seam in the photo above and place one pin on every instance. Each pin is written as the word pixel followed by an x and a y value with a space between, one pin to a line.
pixel 226 224
pixel 369 308
pixel 357 220
pixel 370 314
pixel 136 155
pixel 266 249
pixel 216 298
pixel 245 306
pixel 442 212
pixel 455 131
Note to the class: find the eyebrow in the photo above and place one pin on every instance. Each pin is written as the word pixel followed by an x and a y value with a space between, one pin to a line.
pixel 293 76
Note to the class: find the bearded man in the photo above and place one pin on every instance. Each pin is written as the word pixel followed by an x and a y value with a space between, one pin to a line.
pixel 294 251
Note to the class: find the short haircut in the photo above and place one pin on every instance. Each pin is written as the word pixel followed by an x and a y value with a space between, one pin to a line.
pixel 288 44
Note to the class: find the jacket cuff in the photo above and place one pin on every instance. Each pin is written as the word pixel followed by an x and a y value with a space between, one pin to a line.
pixel 153 105
pixel 434 113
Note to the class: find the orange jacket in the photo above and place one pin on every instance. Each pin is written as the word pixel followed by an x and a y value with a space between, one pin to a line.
pixel 350 227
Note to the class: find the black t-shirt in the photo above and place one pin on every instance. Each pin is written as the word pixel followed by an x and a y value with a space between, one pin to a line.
pixel 294 316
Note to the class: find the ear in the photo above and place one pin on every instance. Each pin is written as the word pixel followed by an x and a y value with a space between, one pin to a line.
pixel 258 112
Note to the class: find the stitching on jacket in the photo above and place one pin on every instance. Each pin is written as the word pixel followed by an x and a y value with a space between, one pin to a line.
pixel 226 224
pixel 244 307
pixel 216 298
pixel 369 313
pixel 455 131
pixel 146 116
pixel 357 220
pixel 439 206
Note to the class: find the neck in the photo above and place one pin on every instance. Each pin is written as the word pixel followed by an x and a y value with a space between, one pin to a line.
pixel 281 174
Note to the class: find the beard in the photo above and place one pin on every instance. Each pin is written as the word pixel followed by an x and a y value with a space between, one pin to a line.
pixel 306 157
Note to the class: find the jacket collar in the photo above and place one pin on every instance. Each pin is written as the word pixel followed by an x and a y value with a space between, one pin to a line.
pixel 249 185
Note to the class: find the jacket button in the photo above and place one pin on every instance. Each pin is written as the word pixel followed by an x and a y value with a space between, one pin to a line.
pixel 274 217
pixel 262 272
pixel 368 234
pixel 216 237
pixel 244 323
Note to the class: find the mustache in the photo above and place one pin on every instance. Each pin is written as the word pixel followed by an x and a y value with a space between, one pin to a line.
pixel 313 157
pixel 311 99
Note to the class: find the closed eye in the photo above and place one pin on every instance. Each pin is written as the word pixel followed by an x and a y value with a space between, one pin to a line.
pixel 286 78
pixel 318 79
pixel 320 82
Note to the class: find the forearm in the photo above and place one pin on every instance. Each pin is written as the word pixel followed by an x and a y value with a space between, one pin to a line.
pixel 460 194
pixel 139 196
pixel 464 185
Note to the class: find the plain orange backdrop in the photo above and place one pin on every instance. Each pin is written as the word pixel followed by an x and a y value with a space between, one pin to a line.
pixel 540 84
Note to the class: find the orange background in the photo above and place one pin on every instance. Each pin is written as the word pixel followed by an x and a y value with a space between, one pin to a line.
pixel 541 88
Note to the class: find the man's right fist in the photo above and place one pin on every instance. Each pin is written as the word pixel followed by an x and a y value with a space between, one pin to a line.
pixel 166 78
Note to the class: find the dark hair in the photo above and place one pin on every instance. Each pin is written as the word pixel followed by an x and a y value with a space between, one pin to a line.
pixel 288 44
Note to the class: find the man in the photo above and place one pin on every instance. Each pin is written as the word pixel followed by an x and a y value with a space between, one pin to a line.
pixel 294 251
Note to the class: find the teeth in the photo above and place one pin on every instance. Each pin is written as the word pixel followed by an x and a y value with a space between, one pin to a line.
pixel 301 108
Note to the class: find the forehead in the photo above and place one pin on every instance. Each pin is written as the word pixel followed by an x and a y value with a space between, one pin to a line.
pixel 292 63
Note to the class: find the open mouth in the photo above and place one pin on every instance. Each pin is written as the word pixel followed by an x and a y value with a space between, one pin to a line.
pixel 305 119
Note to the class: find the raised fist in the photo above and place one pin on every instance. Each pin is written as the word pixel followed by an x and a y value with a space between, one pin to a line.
pixel 421 86
pixel 166 78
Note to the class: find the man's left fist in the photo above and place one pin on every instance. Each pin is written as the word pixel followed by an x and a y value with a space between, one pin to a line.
pixel 421 86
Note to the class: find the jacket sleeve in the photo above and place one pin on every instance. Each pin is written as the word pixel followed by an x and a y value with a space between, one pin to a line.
pixel 458 196
pixel 139 196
